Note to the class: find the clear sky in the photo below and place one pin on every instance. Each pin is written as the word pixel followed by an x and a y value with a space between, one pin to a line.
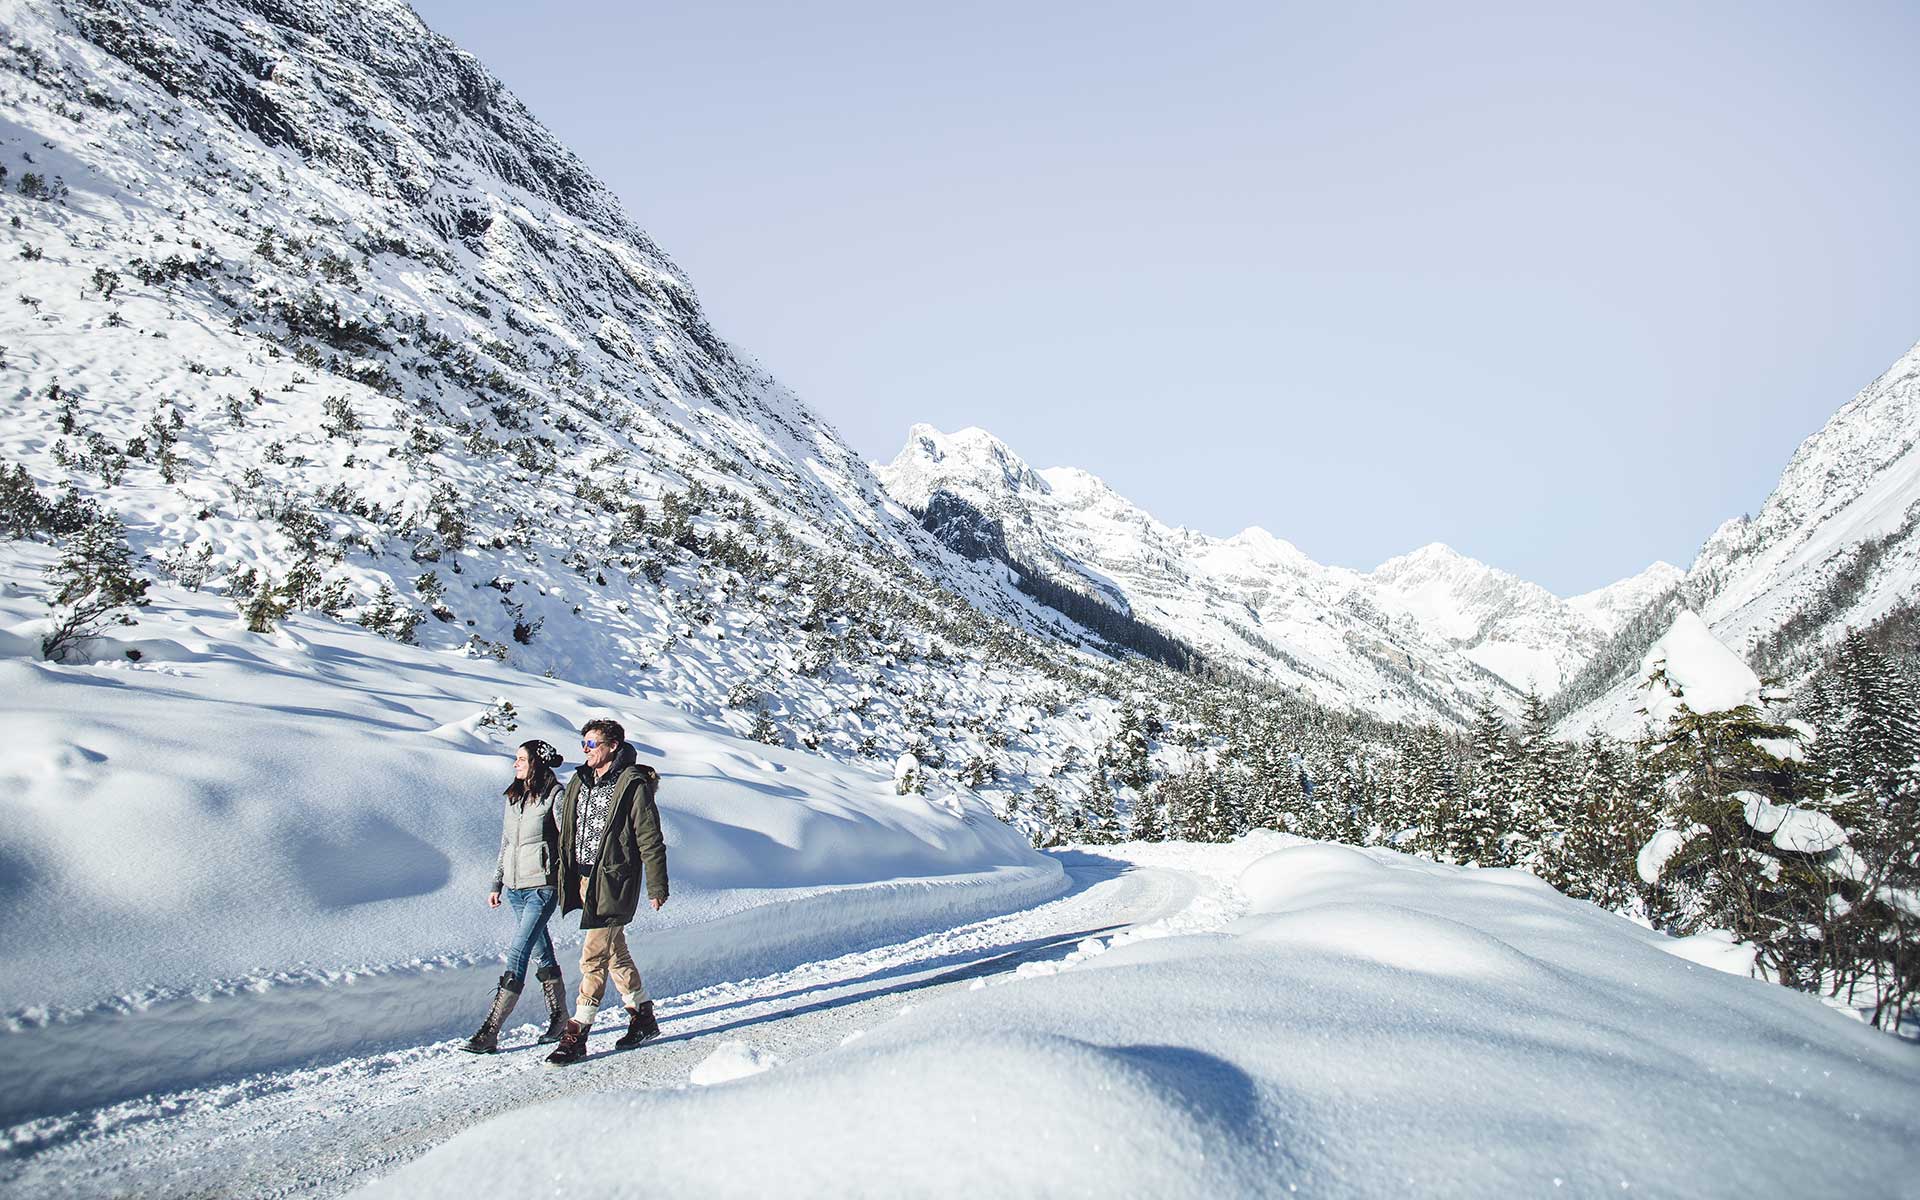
pixel 1562 286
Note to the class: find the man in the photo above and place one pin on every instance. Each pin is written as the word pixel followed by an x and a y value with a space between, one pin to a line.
pixel 610 844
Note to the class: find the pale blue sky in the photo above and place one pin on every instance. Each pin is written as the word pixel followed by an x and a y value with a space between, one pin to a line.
pixel 1563 289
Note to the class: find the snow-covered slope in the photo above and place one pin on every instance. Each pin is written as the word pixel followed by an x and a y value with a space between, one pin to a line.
pixel 1612 606
pixel 1838 540
pixel 318 311
pixel 1423 636
pixel 1836 545
pixel 1515 629
pixel 294 813
pixel 1375 1025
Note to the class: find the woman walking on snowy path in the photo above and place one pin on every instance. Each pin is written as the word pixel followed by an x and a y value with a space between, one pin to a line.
pixel 529 858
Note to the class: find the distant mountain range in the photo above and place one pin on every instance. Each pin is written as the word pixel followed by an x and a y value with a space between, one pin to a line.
pixel 1423 635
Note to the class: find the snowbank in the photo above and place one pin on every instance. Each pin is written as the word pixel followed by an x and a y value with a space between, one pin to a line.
pixel 1376 1025
pixel 303 825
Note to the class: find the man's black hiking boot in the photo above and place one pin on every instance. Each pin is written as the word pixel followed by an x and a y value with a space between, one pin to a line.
pixel 641 1027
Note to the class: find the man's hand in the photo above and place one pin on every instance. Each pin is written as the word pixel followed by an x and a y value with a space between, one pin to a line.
pixel 583 889
pixel 657 902
pixel 493 900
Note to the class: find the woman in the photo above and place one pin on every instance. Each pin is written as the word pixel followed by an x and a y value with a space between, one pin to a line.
pixel 529 854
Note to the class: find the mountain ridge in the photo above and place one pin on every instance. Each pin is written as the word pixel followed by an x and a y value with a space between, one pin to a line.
pixel 1256 599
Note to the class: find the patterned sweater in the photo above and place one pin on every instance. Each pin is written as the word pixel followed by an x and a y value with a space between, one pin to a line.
pixel 593 809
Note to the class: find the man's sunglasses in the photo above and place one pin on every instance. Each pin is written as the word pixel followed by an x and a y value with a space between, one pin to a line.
pixel 588 743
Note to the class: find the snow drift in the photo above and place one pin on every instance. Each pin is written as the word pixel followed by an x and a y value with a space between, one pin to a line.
pixel 1376 1025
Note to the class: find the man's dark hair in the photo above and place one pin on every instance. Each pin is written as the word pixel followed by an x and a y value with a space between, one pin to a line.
pixel 608 729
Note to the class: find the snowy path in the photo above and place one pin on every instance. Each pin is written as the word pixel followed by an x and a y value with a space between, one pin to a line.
pixel 325 1128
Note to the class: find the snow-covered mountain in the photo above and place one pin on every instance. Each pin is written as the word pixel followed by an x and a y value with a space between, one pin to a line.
pixel 1422 636
pixel 1836 545
pixel 1613 606
pixel 325 318
pixel 1838 540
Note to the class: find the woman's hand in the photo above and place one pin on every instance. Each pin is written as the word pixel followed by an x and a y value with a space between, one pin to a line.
pixel 493 900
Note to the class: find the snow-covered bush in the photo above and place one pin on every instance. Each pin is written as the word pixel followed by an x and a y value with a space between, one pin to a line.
pixel 906 775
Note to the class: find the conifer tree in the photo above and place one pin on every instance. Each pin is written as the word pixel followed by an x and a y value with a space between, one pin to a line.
pixel 1721 780
pixel 1866 756
pixel 1542 792
pixel 1487 810
pixel 1100 819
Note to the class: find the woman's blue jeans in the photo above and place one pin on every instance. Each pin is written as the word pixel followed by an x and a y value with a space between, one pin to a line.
pixel 531 908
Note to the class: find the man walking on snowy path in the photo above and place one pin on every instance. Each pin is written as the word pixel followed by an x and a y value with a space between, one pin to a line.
pixel 610 845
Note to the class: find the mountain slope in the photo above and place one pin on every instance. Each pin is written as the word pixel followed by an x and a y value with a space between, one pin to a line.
pixel 1424 636
pixel 1836 545
pixel 321 314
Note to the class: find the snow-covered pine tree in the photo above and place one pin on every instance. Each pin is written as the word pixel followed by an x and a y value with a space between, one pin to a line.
pixel 1148 824
pixel 1099 816
pixel 1612 818
pixel 1866 755
pixel 1743 846
pixel 1486 815
pixel 1543 795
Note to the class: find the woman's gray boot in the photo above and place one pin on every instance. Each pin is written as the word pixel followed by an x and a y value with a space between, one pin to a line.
pixel 556 990
pixel 487 1040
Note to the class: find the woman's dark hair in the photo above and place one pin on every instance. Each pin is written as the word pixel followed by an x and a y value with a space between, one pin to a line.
pixel 540 779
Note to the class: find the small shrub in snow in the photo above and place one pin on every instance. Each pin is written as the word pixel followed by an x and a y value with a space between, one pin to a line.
pixel 388 617
pixel 264 606
pixel 24 512
pixel 500 715
pixel 482 648
pixel 907 776
pixel 94 582
pixel 338 418
pixel 979 771
pixel 764 730
pixel 188 569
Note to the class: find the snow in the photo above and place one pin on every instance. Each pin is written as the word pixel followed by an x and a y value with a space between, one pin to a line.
pixel 1792 827
pixel 1372 1025
pixel 1701 673
pixel 1612 606
pixel 318 810
pixel 1661 847
pixel 732 1060
pixel 1715 948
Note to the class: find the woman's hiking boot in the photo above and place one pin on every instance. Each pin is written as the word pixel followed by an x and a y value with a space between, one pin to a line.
pixel 572 1047
pixel 641 1027
pixel 487 1040
pixel 556 990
